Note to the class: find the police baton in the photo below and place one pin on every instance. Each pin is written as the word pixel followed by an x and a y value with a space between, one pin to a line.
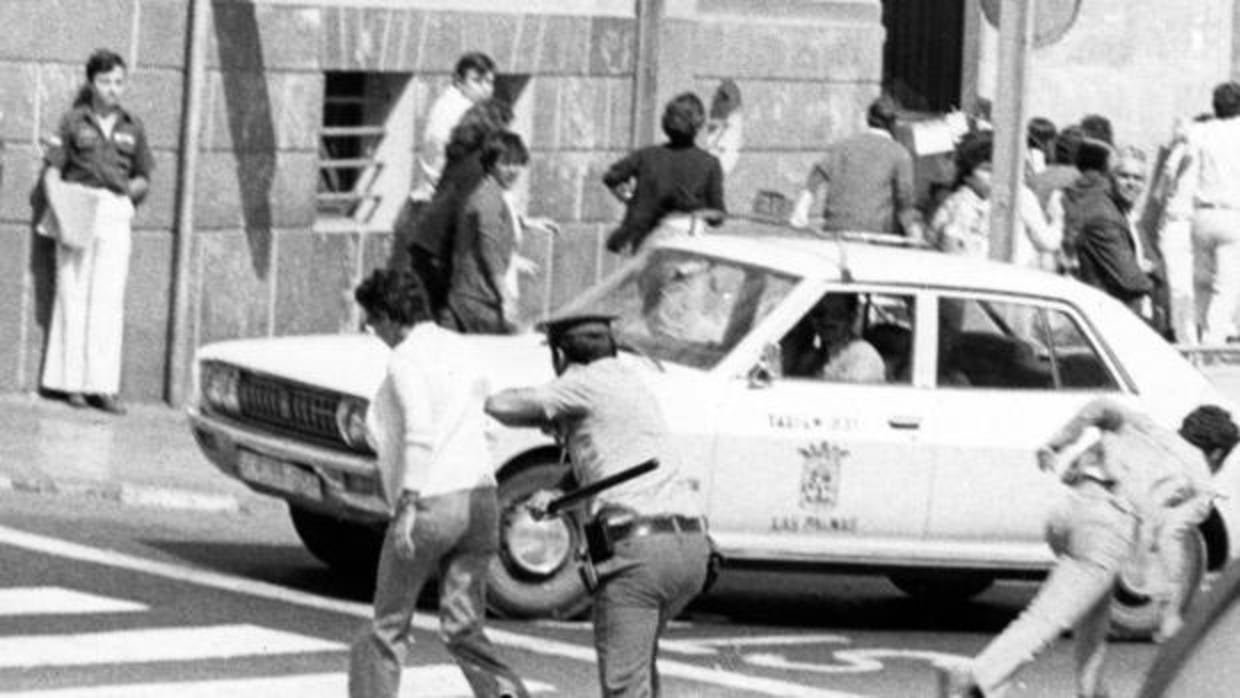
pixel 563 502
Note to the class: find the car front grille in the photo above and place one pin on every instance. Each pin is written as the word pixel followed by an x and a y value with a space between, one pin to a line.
pixel 289 407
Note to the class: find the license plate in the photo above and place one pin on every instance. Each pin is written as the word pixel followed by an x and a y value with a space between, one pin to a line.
pixel 278 475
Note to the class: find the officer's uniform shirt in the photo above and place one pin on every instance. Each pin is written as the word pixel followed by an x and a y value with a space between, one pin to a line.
pixel 90 156
pixel 613 422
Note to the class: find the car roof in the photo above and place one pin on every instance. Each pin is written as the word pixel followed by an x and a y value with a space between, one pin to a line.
pixel 877 259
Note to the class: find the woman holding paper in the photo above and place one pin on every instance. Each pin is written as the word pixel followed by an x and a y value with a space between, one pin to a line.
pixel 99 168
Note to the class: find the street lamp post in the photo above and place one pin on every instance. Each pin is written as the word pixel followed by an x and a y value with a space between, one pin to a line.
pixel 1015 42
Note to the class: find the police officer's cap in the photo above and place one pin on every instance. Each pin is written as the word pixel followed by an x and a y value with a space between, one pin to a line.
pixel 557 326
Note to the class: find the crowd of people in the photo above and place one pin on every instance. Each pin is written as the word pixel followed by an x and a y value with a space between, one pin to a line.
pixel 1136 225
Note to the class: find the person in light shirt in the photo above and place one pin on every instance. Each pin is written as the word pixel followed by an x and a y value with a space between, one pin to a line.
pixel 1208 195
pixel 473 81
pixel 435 467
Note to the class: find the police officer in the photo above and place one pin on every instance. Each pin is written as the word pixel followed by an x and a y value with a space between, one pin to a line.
pixel 609 421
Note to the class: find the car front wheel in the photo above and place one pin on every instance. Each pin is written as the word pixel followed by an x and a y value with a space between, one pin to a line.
pixel 1135 606
pixel 535 573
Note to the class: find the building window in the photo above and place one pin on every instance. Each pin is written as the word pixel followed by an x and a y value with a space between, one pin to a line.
pixel 364 153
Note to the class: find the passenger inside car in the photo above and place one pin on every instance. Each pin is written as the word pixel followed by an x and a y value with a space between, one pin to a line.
pixel 827 345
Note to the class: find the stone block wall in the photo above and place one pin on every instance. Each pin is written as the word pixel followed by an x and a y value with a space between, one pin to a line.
pixel 261 264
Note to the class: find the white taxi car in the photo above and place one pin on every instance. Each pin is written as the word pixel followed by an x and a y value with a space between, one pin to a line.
pixel 926 475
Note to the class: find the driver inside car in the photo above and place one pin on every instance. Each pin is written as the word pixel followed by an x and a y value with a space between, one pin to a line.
pixel 830 348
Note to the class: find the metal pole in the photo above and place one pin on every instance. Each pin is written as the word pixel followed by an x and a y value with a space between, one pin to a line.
pixel 180 324
pixel 646 71
pixel 1015 42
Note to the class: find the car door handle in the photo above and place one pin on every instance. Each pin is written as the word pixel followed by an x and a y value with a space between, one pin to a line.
pixel 905 422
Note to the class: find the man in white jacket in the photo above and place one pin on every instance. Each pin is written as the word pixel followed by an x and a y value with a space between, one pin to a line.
pixel 429 430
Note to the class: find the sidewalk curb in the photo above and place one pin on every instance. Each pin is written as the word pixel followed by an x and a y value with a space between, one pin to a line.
pixel 127 494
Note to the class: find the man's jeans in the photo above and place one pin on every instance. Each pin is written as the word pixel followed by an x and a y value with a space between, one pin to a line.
pixel 647 583
pixel 1092 536
pixel 1216 232
pixel 456 534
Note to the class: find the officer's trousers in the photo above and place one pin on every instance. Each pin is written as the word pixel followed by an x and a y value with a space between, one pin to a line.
pixel 456 534
pixel 88 317
pixel 1092 536
pixel 649 580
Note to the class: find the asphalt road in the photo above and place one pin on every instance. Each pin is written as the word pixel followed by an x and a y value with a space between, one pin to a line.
pixel 99 600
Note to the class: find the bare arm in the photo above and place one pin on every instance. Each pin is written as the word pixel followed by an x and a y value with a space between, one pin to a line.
pixel 517 407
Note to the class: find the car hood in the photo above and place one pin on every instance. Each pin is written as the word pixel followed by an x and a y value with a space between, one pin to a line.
pixel 355 363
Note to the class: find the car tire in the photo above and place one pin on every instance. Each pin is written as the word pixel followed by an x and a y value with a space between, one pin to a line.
pixel 535 573
pixel 349 548
pixel 1135 613
pixel 941 585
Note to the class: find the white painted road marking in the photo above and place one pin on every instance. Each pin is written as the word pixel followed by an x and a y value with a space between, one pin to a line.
pixel 432 681
pixel 155 645
pixel 852 661
pixel 42 601
pixel 706 646
pixel 422 621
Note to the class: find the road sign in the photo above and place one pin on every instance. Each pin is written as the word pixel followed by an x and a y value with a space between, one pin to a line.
pixel 1052 18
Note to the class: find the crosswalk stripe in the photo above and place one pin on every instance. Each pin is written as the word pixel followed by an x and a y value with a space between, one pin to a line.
pixel 154 645
pixel 40 601
pixel 432 681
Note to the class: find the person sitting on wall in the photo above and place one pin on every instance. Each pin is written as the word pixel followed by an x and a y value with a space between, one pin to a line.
pixel 660 182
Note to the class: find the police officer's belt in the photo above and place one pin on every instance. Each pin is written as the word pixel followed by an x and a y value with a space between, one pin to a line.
pixel 627 527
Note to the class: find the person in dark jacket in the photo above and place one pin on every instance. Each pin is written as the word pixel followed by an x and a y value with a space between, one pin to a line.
pixel 429 245
pixel 480 299
pixel 659 181
pixel 1109 250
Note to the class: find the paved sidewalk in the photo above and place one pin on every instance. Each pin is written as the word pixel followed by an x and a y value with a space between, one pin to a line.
pixel 145 458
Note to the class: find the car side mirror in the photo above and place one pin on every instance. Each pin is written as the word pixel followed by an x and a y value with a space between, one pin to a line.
pixel 768 368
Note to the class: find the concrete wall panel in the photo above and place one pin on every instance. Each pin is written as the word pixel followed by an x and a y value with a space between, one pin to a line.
pixel 264 37
pixel 161 33
pixel 255 191
pixel 13 269
pixel 575 262
pixel 18 100
pixel 154 96
pixel 22 164
pixel 232 288
pixel 253 111
pixel 53 30
pixel 144 356
pixel 157 211
pixel 612 46
pixel 314 284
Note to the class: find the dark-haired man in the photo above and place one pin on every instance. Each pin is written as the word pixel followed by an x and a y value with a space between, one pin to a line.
pixel 435 468
pixel 661 185
pixel 610 421
pixel 1122 486
pixel 482 291
pixel 1109 251
pixel 868 179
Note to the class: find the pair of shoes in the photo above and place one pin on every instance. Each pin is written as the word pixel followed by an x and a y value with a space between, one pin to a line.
pixel 76 400
pixel 955 680
pixel 110 404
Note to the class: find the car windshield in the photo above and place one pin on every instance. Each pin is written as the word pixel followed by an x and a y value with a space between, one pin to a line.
pixel 683 307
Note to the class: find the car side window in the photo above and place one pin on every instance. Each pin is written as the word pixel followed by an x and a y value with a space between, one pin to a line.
pixel 994 344
pixel 851 337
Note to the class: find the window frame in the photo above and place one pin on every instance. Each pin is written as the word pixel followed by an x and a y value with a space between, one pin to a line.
pixel 1122 381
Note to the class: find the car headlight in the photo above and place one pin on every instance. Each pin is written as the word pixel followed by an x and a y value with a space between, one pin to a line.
pixel 351 422
pixel 219 386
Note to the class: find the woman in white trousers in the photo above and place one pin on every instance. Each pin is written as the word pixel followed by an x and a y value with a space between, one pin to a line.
pixel 101 151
